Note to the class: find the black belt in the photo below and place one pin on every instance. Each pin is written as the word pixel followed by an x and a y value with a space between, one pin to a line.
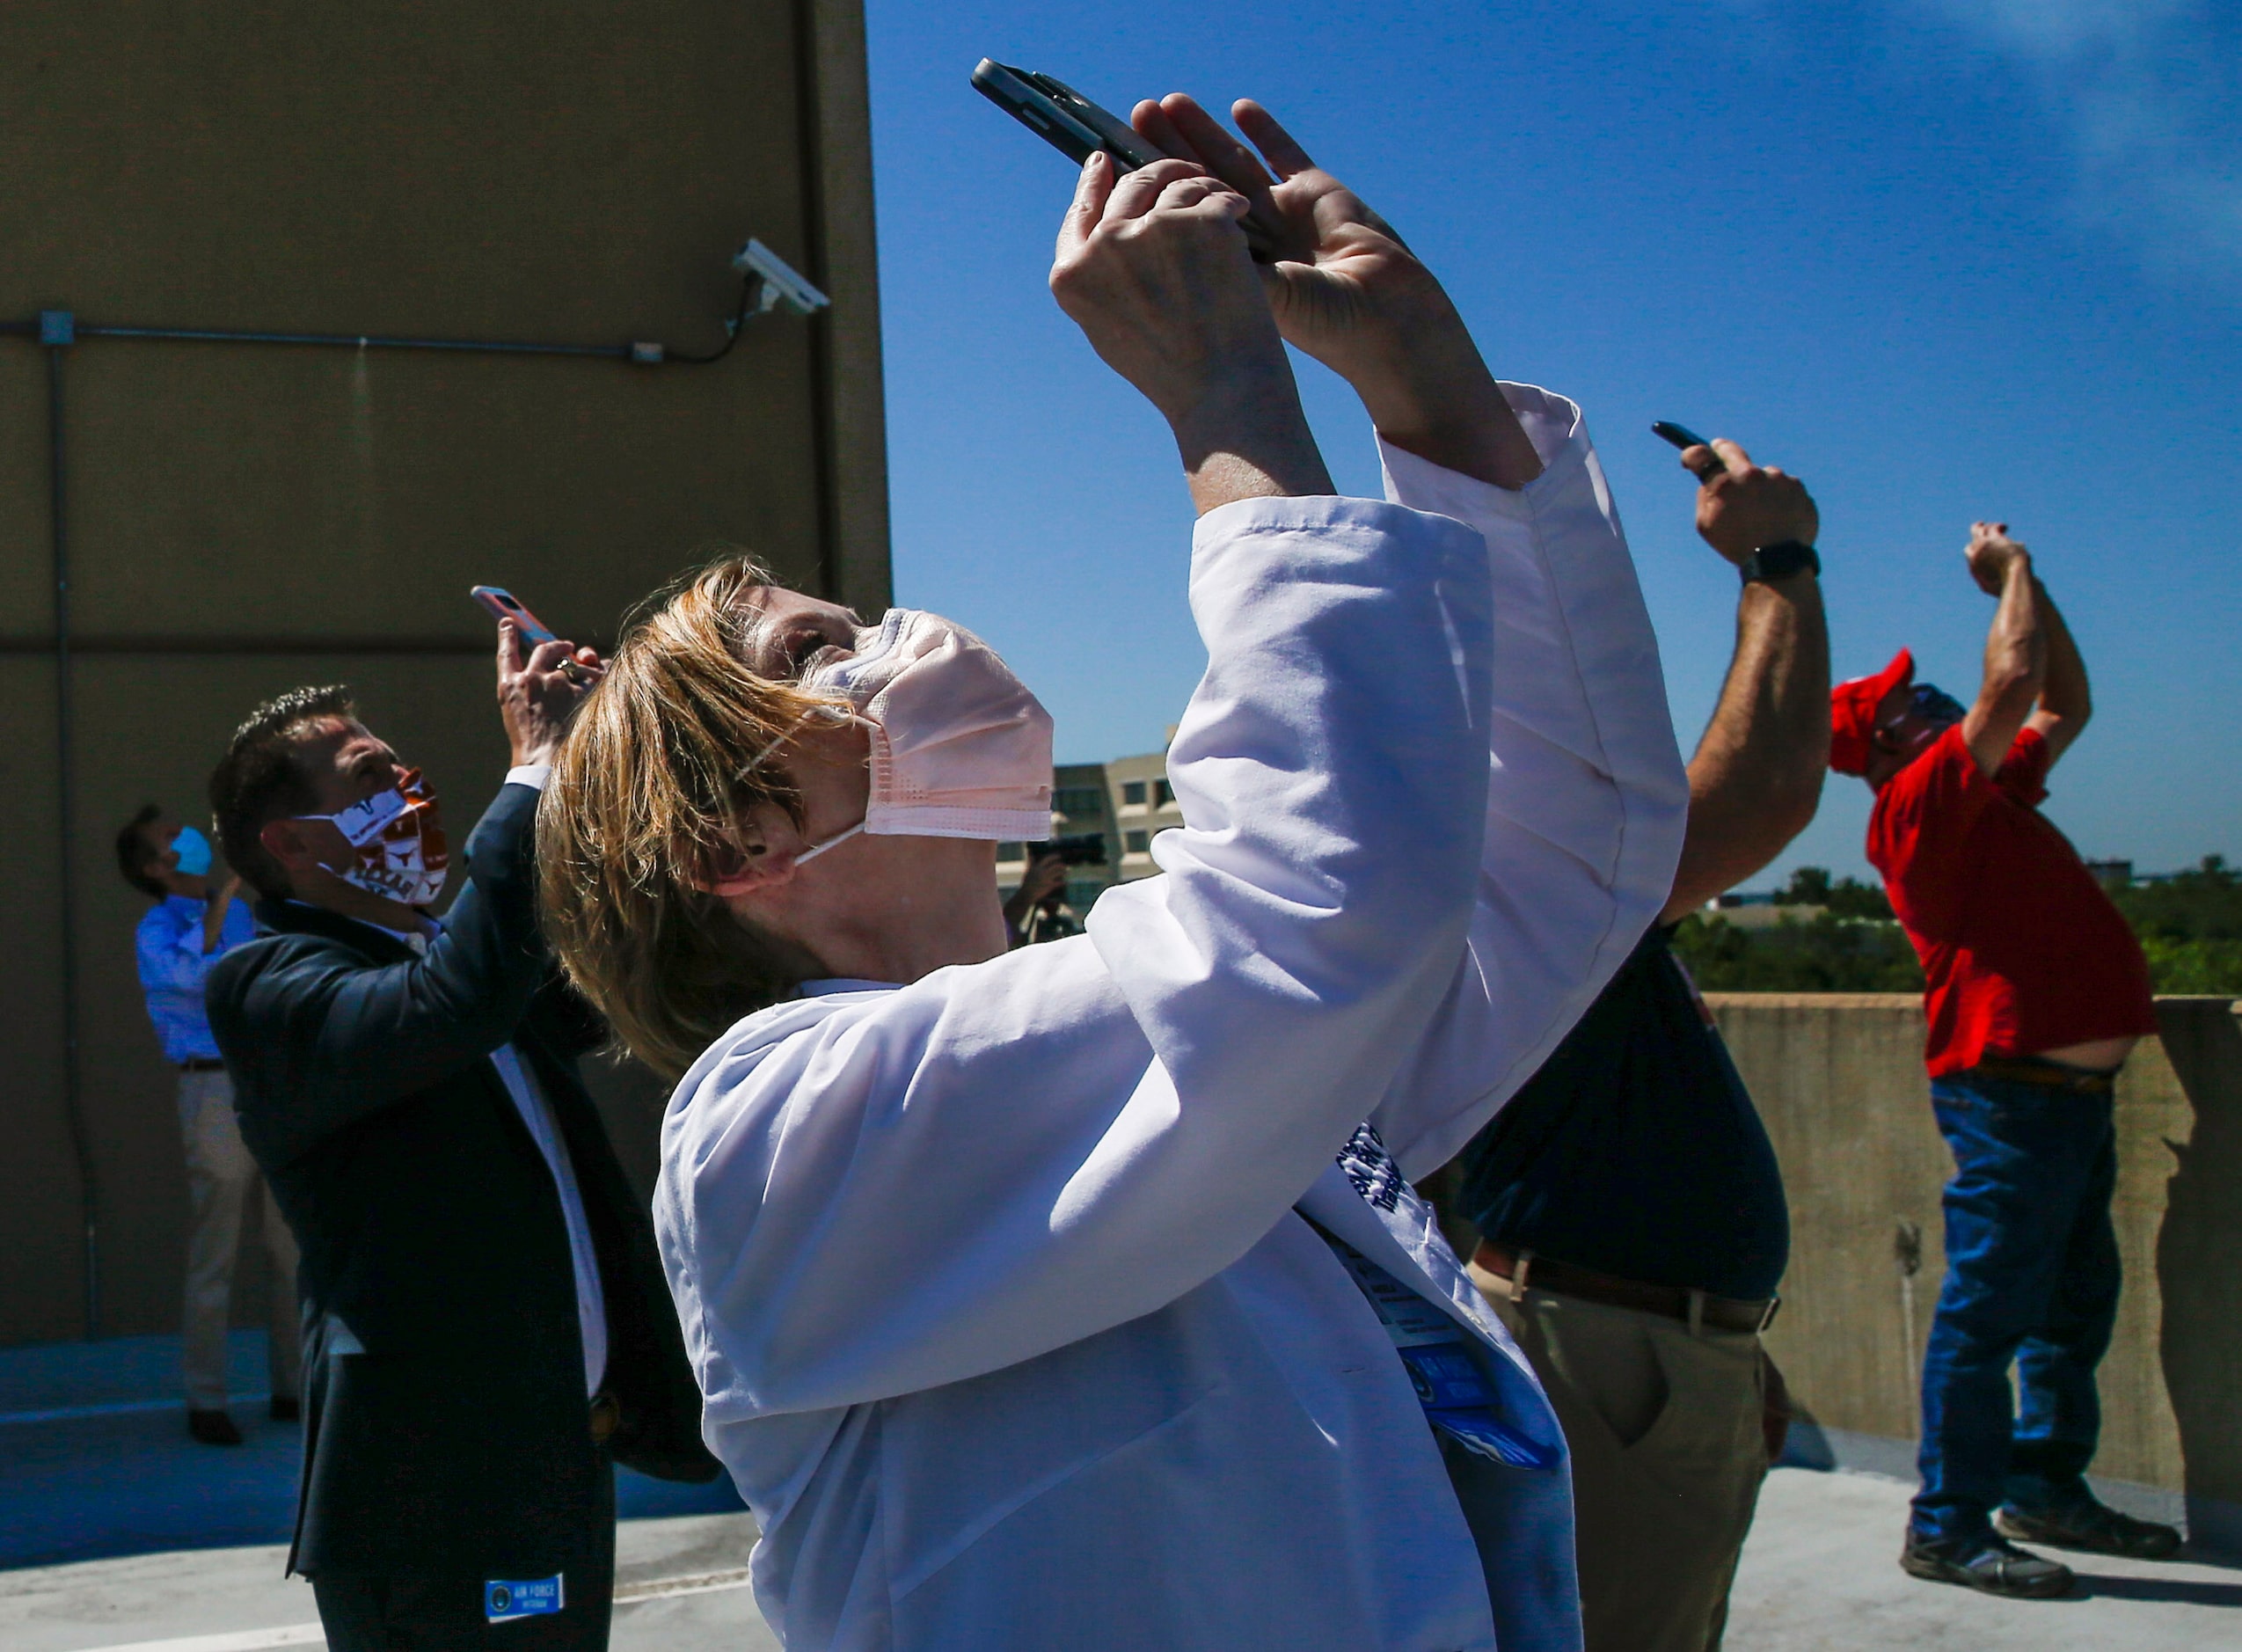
pixel 1527 1271
pixel 2047 1075
pixel 203 1063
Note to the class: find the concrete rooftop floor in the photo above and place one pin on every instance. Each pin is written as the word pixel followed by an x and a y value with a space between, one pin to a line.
pixel 1821 1573
pixel 1819 1576
pixel 116 1533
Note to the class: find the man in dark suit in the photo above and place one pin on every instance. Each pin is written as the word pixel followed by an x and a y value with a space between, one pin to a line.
pixel 485 1323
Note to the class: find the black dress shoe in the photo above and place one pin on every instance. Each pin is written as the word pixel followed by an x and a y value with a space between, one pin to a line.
pixel 2091 1526
pixel 213 1428
pixel 1989 1563
pixel 285 1408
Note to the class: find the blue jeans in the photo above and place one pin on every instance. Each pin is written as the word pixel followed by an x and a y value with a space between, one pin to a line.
pixel 2032 1281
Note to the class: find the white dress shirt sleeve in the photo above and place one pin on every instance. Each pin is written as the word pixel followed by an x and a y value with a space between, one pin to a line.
pixel 869 1194
pixel 1587 794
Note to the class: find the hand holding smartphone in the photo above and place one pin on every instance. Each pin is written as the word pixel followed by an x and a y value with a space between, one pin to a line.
pixel 502 603
pixel 1685 438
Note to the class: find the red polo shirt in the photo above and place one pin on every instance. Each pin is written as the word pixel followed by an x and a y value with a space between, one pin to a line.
pixel 2023 950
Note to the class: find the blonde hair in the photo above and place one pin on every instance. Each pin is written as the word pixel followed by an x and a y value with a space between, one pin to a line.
pixel 650 790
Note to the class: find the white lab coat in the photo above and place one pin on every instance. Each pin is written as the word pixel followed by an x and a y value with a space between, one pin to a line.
pixel 1008 1325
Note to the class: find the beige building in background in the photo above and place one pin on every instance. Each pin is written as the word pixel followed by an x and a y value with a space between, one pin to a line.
pixel 236 518
pixel 1125 801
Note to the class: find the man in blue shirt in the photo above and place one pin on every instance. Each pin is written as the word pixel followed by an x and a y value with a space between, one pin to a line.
pixel 184 933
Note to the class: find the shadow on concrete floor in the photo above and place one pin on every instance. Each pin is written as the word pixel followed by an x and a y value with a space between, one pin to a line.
pixel 95 1459
pixel 1821 1573
pixel 2173 1588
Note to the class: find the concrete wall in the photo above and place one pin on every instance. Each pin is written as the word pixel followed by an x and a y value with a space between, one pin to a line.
pixel 243 518
pixel 1839 1079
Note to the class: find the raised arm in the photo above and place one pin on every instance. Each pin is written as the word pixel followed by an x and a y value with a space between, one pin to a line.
pixel 317 1036
pixel 2066 701
pixel 1343 288
pixel 300 1020
pixel 2016 646
pixel 214 914
pixel 1757 779
pixel 170 954
pixel 1585 792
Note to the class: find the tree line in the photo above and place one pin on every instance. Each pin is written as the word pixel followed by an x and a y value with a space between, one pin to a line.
pixel 2189 924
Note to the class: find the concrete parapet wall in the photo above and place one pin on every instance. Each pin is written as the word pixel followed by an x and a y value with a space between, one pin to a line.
pixel 1839 1079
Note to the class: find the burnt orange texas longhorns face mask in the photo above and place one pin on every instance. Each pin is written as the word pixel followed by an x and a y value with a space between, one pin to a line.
pixel 398 836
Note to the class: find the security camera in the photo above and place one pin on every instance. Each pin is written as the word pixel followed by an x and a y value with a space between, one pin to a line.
pixel 781 281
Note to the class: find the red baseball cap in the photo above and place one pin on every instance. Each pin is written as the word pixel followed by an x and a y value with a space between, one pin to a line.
pixel 1852 712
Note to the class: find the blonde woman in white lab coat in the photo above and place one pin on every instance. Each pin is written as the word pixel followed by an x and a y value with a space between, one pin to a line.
pixel 1074 1296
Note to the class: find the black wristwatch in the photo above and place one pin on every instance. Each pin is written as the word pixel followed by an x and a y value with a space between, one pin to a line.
pixel 1779 561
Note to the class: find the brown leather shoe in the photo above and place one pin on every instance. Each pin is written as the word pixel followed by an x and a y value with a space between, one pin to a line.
pixel 213 1428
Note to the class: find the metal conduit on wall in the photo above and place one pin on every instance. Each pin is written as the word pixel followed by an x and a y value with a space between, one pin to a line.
pixel 59 331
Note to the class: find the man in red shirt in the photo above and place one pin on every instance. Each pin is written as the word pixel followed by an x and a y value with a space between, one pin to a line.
pixel 2036 992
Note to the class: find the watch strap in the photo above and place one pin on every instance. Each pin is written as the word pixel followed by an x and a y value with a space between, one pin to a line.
pixel 1780 561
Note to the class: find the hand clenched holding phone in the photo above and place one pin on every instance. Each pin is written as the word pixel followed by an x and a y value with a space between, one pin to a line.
pixel 1344 287
pixel 1742 507
pixel 538 692
pixel 1154 268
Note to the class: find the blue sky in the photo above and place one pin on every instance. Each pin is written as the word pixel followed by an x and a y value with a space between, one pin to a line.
pixel 1942 259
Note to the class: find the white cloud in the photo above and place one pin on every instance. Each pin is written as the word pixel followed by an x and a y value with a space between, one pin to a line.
pixel 2151 92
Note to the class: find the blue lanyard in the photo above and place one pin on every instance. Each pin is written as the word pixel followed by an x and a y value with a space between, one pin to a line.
pixel 1460 1402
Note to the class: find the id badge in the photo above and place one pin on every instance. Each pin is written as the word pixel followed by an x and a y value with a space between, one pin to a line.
pixel 1458 1400
pixel 505 1599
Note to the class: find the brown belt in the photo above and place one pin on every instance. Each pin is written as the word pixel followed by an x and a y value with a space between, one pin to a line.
pixel 606 1417
pixel 2047 1075
pixel 1529 1271
pixel 203 1063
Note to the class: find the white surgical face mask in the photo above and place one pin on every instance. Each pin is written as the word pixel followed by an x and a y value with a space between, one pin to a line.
pixel 399 834
pixel 959 747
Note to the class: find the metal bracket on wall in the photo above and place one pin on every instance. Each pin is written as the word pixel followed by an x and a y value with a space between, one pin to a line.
pixel 59 331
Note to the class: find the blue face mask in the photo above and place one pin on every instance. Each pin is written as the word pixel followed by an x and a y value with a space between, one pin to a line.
pixel 1934 705
pixel 194 850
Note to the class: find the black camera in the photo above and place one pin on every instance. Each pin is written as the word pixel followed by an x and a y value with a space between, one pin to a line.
pixel 1086 849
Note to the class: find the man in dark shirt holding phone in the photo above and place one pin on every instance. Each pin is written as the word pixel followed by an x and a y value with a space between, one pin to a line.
pixel 2035 992
pixel 1634 1228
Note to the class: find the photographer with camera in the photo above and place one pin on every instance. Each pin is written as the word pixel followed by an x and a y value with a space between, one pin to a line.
pixel 1037 911
pixel 1155 1235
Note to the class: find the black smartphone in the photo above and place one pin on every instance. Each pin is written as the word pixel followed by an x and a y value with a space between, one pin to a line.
pixel 1062 116
pixel 1077 127
pixel 1683 436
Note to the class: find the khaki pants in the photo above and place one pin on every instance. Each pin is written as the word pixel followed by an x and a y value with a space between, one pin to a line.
pixel 1669 1450
pixel 221 1181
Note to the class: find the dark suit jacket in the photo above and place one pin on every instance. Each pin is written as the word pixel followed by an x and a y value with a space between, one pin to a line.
pixel 446 1422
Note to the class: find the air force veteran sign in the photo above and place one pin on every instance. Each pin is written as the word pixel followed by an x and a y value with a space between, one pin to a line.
pixel 506 1598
